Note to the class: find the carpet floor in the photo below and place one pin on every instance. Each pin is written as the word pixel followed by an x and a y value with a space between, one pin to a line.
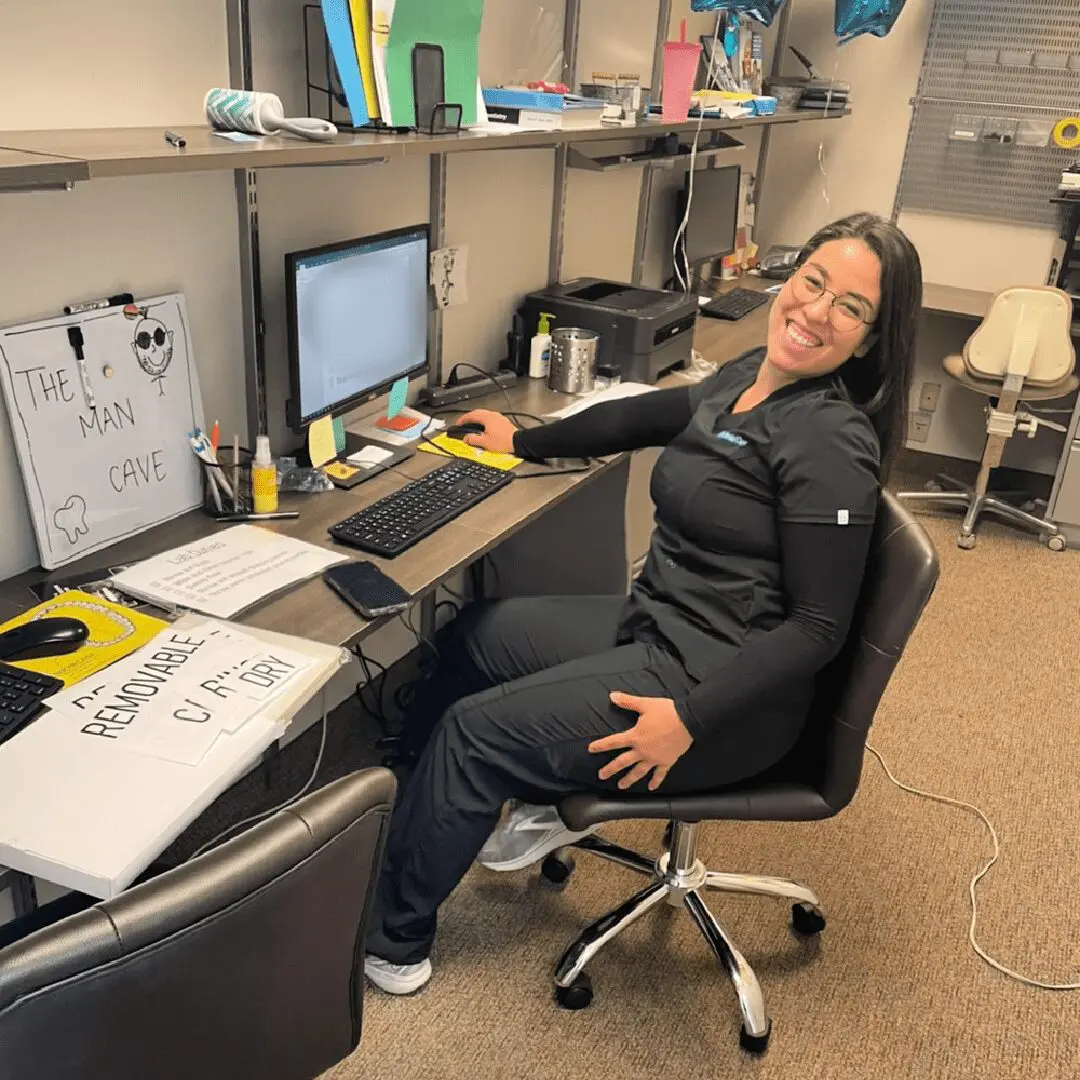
pixel 982 708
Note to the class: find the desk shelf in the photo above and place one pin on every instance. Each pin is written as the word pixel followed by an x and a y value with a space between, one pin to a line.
pixel 30 159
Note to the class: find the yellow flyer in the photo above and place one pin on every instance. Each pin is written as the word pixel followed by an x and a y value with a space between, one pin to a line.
pixel 448 447
pixel 115 631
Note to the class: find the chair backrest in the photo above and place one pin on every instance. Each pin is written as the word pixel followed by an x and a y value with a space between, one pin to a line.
pixel 247 961
pixel 1025 333
pixel 901 573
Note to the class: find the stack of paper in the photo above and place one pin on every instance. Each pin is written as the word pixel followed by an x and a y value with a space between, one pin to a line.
pixel 226 573
pixel 91 809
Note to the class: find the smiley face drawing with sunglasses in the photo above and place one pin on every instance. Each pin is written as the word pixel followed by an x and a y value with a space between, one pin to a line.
pixel 153 348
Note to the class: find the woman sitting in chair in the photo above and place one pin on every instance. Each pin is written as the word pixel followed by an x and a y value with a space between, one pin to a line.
pixel 765 496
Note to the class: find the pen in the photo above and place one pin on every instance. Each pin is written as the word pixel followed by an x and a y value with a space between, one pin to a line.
pixel 277 515
pixel 236 473
pixel 75 340
pixel 96 305
pixel 175 140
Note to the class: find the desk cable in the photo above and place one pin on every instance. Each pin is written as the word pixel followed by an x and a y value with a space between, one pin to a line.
pixel 979 950
pixel 213 841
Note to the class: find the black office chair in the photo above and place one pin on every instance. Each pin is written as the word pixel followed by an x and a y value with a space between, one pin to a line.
pixel 246 962
pixel 816 780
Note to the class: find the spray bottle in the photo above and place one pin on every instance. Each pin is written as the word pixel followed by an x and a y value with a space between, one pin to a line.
pixel 264 493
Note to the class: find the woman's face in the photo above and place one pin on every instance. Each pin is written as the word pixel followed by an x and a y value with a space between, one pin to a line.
pixel 825 311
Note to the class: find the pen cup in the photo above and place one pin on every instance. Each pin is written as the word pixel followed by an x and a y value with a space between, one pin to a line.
pixel 219 478
pixel 680 69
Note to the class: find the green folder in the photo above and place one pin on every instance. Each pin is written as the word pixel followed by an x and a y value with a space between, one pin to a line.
pixel 452 24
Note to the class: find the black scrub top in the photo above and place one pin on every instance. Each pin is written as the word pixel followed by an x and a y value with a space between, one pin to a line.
pixel 721 489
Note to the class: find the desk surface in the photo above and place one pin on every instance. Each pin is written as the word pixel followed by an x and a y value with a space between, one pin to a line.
pixel 311 610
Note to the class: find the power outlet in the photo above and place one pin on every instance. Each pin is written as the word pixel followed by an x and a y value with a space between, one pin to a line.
pixel 928 396
pixel 919 426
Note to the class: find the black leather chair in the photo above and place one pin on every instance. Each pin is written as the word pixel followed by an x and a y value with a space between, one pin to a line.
pixel 245 962
pixel 816 780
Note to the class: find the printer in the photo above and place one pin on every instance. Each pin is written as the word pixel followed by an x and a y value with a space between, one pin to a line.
pixel 643 332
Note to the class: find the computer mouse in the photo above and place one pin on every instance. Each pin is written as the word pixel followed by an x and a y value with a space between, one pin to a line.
pixel 459 431
pixel 43 637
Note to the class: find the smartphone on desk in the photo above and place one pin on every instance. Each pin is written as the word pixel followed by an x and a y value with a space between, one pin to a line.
pixel 365 587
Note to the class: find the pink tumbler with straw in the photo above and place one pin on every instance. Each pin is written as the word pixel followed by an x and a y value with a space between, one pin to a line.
pixel 680 70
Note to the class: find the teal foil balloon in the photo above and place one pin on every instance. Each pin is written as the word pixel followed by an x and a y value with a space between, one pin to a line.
pixel 855 17
pixel 762 10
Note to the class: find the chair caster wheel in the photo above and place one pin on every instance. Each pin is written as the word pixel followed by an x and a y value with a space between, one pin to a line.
pixel 555 870
pixel 754 1044
pixel 1057 542
pixel 965 542
pixel 578 995
pixel 806 920
pixel 933 487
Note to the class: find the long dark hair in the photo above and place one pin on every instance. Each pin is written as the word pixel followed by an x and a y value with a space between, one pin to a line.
pixel 879 382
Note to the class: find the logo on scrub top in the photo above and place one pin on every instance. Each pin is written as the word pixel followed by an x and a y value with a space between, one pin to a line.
pixel 731 437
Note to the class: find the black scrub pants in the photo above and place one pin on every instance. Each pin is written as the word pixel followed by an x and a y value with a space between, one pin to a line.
pixel 520 690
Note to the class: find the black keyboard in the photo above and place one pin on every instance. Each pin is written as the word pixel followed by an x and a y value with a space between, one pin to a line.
pixel 22 697
pixel 735 304
pixel 399 520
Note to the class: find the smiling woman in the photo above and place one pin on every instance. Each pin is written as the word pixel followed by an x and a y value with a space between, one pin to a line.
pixel 766 496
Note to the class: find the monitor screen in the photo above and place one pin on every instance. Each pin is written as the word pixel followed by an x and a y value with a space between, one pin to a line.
pixel 357 316
pixel 714 213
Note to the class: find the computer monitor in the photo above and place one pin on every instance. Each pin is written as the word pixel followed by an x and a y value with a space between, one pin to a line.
pixel 357 318
pixel 714 214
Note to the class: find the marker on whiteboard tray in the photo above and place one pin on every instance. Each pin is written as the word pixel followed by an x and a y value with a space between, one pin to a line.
pixel 75 339
pixel 119 300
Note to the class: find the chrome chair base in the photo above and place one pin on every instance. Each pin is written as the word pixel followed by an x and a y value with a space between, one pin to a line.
pixel 974 505
pixel 680 879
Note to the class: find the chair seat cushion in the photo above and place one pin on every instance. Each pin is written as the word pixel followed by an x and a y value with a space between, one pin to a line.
pixel 955 367
pixel 760 802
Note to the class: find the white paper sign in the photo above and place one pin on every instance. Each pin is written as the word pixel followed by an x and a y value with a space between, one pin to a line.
pixel 449 276
pixel 226 573
pixel 173 697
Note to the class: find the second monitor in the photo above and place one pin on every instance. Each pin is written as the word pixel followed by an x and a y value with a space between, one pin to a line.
pixel 714 214
pixel 357 316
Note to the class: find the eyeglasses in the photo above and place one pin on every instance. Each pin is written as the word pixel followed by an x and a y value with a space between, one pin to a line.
pixel 846 313
pixel 143 338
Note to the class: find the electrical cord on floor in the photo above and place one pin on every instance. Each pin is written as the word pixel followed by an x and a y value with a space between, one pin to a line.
pixel 378 709
pixel 215 840
pixel 979 950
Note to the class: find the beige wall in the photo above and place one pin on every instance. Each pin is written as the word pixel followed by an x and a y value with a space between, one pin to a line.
pixel 862 156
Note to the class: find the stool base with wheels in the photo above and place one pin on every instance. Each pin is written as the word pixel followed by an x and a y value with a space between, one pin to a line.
pixel 680 879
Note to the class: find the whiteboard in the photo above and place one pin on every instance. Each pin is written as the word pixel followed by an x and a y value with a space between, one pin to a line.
pixel 94 476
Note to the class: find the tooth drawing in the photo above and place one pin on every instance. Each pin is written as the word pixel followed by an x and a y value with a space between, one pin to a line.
pixel 70 519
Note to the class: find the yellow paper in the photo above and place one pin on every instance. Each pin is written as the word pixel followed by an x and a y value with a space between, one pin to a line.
pixel 338 470
pixel 457 448
pixel 320 441
pixel 361 24
pixel 115 631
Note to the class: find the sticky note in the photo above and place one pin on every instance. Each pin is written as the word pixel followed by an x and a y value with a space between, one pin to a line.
pixel 398 392
pixel 339 434
pixel 338 470
pixel 320 441
pixel 369 457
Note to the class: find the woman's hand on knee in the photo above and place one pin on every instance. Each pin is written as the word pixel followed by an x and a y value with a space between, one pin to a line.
pixel 652 745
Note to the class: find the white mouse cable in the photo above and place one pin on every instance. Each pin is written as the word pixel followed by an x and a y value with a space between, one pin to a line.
pixel 681 232
pixel 979 950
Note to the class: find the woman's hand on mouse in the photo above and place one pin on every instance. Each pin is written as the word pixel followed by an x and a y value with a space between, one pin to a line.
pixel 498 433
pixel 652 745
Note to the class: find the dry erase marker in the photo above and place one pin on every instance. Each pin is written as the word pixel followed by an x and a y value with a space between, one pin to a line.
pixel 75 339
pixel 96 305
pixel 175 140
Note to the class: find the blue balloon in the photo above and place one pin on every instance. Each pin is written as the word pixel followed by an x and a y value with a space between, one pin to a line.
pixel 855 17
pixel 762 10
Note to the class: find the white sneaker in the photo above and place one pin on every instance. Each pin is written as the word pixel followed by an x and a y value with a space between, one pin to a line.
pixel 397 978
pixel 525 836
